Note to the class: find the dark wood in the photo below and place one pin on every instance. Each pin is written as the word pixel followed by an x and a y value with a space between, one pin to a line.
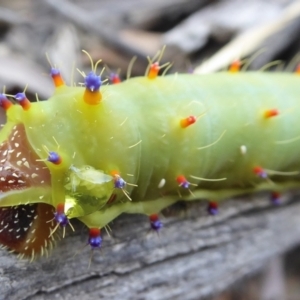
pixel 194 256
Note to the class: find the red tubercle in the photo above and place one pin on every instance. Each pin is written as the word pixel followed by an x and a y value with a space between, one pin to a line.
pixel 276 198
pixel 54 158
pixel 94 232
pixel 153 217
pixel 181 179
pixel 155 223
pixel 276 194
pixel 95 239
pixel 260 172
pixel 23 101
pixel 187 121
pixel 235 66
pixel 4 102
pixel 213 204
pixel 213 208
pixel 114 78
pixel 153 70
pixel 60 208
pixel 271 113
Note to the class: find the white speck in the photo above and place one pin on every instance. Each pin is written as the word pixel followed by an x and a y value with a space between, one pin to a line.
pixel 2 179
pixel 11 181
pixel 3 160
pixel 19 163
pixel 161 183
pixel 15 175
pixel 18 154
pixel 41 197
pixel 34 175
pixel 17 145
pixel 7 168
pixel 21 181
pixel 26 164
pixel 243 149
pixel 5 153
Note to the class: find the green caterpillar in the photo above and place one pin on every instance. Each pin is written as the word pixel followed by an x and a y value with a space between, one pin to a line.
pixel 97 151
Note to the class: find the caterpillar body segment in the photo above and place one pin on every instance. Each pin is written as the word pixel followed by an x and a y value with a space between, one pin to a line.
pixel 141 145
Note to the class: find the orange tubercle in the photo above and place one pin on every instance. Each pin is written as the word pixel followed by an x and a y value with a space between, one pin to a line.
pixel 92 98
pixel 187 121
pixel 25 104
pixel 115 173
pixel 297 71
pixel 235 66
pixel 153 71
pixel 58 81
pixel 56 77
pixel 271 113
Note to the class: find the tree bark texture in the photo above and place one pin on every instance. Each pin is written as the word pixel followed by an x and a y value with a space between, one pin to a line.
pixel 195 255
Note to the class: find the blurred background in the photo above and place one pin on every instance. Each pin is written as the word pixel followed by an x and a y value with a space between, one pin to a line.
pixel 201 36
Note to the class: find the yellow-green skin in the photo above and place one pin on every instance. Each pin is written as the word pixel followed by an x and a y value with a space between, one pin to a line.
pixel 136 130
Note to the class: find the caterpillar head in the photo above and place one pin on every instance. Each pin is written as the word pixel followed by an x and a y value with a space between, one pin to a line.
pixel 41 165
pixel 25 224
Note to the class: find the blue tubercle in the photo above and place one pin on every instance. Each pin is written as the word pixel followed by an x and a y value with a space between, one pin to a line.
pixel 92 82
